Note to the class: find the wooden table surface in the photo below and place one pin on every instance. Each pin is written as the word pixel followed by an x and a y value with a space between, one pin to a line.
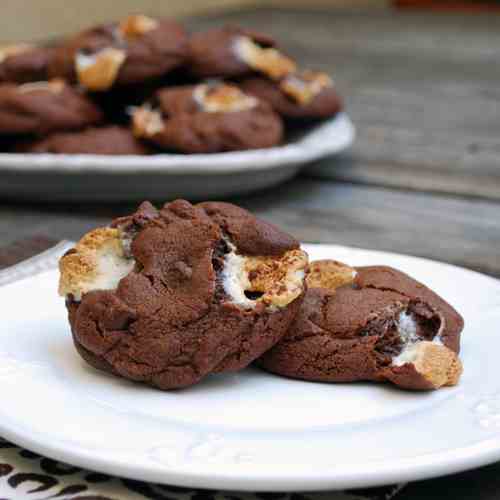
pixel 423 176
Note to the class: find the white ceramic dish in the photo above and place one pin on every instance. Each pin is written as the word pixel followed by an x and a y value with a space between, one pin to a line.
pixel 251 430
pixel 166 176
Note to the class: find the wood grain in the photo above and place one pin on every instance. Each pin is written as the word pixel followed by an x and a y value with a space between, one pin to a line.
pixel 457 230
pixel 23 249
pixel 465 232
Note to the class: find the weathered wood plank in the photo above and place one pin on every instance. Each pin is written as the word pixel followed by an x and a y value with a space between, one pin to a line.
pixel 461 231
pixel 24 249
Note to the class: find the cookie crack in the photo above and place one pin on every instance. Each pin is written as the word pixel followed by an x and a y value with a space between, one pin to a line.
pixel 102 333
pixel 393 290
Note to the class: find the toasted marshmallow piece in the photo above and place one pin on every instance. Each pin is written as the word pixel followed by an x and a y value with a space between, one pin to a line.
pixel 269 61
pixel 329 274
pixel 146 122
pixel 304 87
pixel 222 98
pixel 98 262
pixel 136 25
pixel 435 363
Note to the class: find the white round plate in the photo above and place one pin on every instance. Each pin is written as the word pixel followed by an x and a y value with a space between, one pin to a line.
pixel 251 430
pixel 163 176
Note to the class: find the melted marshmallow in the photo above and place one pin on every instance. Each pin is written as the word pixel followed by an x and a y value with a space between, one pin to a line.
pixel 407 329
pixel 235 279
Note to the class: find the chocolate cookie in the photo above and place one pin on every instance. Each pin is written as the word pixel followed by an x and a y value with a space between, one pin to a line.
pixel 233 51
pixel 117 102
pixel 370 323
pixel 44 107
pixel 24 63
pixel 304 95
pixel 208 118
pixel 168 296
pixel 109 140
pixel 134 50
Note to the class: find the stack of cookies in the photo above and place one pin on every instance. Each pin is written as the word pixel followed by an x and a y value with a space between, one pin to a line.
pixel 169 296
pixel 143 86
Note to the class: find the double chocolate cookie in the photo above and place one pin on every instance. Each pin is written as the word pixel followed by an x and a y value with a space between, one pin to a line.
pixel 109 140
pixel 303 95
pixel 24 63
pixel 232 52
pixel 169 296
pixel 207 118
pixel 43 107
pixel 370 323
pixel 137 49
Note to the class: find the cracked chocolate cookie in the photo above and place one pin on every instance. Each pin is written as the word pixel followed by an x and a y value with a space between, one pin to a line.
pixel 24 63
pixel 110 140
pixel 207 118
pixel 303 95
pixel 232 51
pixel 370 323
pixel 169 296
pixel 135 50
pixel 43 107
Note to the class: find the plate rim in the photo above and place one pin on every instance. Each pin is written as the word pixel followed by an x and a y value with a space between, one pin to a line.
pixel 385 473
pixel 375 473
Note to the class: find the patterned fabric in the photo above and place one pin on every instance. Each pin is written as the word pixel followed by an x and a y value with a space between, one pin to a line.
pixel 28 476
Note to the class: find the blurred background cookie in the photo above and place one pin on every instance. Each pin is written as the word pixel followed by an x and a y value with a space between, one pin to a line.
pixel 305 95
pixel 23 63
pixel 137 49
pixel 116 67
pixel 42 107
pixel 207 118
pixel 232 51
